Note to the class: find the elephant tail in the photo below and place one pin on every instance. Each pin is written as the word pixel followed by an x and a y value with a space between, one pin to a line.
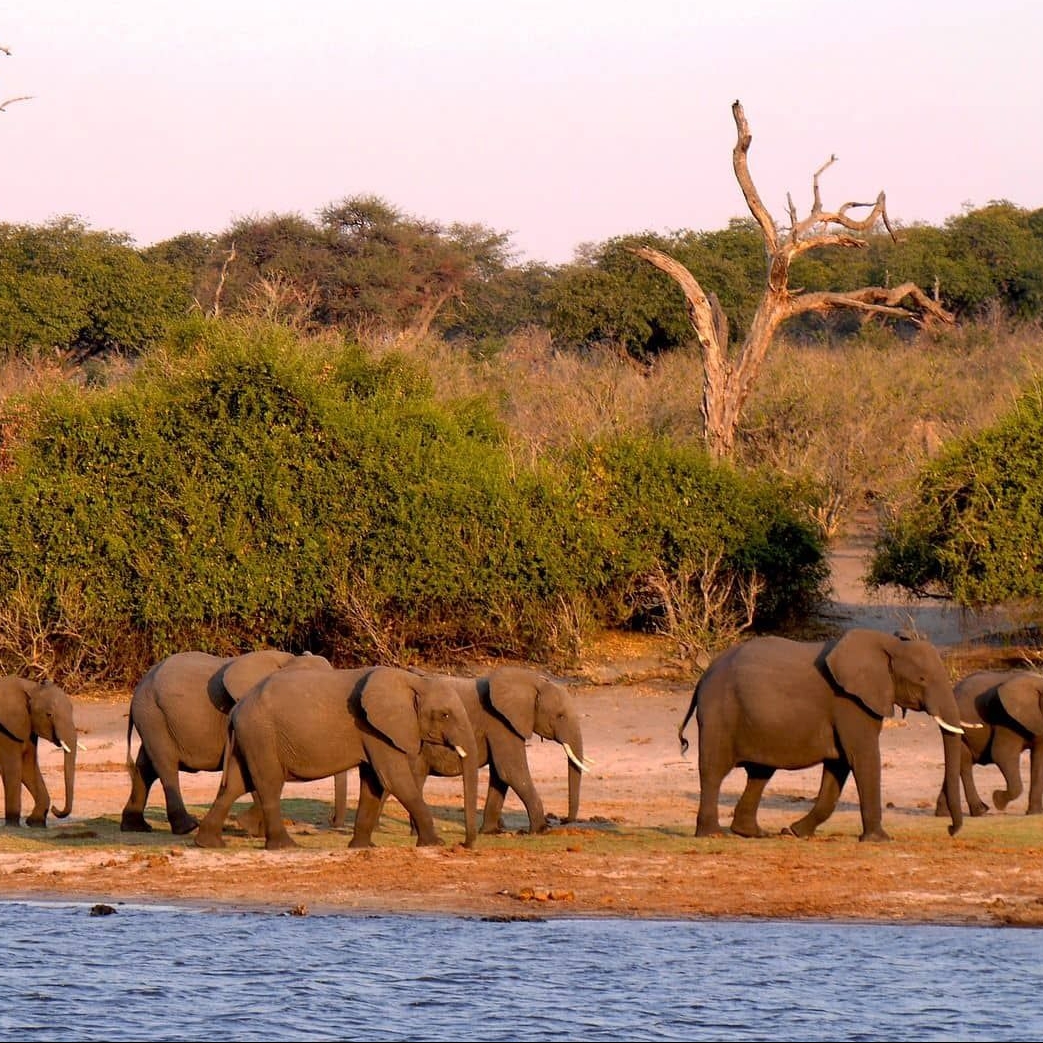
pixel 130 733
pixel 687 717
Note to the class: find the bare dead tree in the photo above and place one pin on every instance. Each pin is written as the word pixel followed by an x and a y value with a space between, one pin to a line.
pixel 20 97
pixel 727 382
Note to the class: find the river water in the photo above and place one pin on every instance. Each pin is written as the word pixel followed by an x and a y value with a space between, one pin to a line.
pixel 165 973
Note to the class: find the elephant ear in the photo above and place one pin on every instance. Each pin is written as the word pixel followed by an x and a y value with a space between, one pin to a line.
pixel 1022 698
pixel 513 697
pixel 15 711
pixel 861 666
pixel 243 672
pixel 390 702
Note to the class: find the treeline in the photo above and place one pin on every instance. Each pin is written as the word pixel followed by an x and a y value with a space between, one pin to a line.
pixel 366 269
pixel 379 438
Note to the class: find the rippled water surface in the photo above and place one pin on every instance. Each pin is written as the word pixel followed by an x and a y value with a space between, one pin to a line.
pixel 148 973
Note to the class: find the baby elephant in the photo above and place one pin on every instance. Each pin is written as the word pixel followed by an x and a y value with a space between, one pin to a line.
pixel 29 711
pixel 1008 706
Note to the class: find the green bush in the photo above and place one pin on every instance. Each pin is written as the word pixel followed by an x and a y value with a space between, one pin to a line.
pixel 665 507
pixel 246 488
pixel 974 529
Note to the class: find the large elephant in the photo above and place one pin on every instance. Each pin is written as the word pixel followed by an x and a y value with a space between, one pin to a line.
pixel 773 703
pixel 180 711
pixel 506 708
pixel 1007 706
pixel 29 711
pixel 310 725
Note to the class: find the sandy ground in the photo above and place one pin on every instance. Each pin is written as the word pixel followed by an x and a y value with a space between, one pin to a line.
pixel 633 852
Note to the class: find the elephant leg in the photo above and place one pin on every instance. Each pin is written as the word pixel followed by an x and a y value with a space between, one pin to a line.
pixel 744 820
pixel 233 786
pixel 340 800
pixel 166 759
pixel 866 767
pixel 516 776
pixel 492 820
pixel 370 805
pixel 707 819
pixel 33 781
pixel 400 782
pixel 11 767
pixel 834 775
pixel 1035 781
pixel 142 775
pixel 1007 748
pixel 251 821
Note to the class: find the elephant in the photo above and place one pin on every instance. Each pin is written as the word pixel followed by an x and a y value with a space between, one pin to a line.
pixel 1007 707
pixel 506 708
pixel 311 724
pixel 180 711
pixel 30 710
pixel 772 702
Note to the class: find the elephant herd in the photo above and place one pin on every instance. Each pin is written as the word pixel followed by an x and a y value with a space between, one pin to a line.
pixel 766 704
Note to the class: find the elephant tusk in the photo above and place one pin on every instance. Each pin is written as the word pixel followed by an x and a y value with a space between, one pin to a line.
pixel 967 724
pixel 947 727
pixel 461 752
pixel 572 757
pixel 65 746
pixel 79 745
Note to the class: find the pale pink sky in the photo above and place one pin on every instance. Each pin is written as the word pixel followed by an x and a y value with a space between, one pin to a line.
pixel 558 121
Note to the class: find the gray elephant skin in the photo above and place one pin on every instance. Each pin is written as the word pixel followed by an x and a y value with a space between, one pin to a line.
pixel 180 712
pixel 772 703
pixel 306 725
pixel 506 708
pixel 1002 713
pixel 30 711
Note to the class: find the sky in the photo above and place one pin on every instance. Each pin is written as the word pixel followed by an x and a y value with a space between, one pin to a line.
pixel 558 122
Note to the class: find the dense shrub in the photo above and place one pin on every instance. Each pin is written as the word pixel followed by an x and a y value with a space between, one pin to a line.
pixel 974 530
pixel 244 488
pixel 666 509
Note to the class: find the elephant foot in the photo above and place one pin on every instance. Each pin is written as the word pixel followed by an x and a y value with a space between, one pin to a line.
pixel 798 831
pixel 183 824
pixel 13 820
pixel 748 829
pixel 1034 811
pixel 134 822
pixel 430 842
pixel 205 838
pixel 874 836
pixel 251 822
pixel 36 823
pixel 361 842
pixel 709 831
pixel 979 809
pixel 280 843
pixel 1000 799
pixel 493 830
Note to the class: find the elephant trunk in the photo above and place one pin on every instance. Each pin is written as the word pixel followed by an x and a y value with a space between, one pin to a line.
pixel 952 744
pixel 69 745
pixel 577 766
pixel 940 703
pixel 469 763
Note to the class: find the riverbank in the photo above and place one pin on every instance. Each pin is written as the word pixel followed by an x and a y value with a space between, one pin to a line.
pixel 633 853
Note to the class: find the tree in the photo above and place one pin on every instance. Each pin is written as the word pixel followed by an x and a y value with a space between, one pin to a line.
pixel 727 382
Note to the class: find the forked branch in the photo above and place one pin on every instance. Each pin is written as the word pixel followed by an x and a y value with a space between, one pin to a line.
pixel 726 383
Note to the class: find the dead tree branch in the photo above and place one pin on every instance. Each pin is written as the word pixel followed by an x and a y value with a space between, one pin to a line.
pixel 19 97
pixel 727 382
